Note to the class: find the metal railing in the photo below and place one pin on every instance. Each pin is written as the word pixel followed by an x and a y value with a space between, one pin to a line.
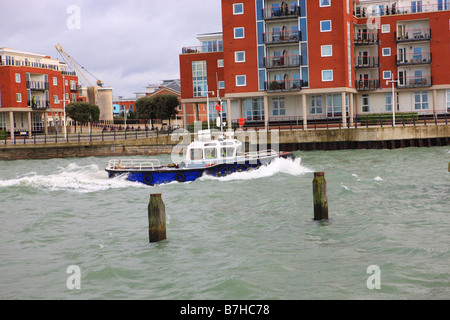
pixel 413 58
pixel 414 82
pixel 367 62
pixel 285 61
pixel 367 85
pixel 364 12
pixel 282 11
pixel 408 35
pixel 365 38
pixel 283 36
pixel 283 85
pixel 133 164
pixel 203 49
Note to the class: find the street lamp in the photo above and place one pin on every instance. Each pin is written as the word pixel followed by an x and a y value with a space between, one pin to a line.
pixel 207 104
pixel 394 105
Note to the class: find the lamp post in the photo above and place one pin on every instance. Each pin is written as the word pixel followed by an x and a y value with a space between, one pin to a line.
pixel 207 104
pixel 394 105
pixel 64 104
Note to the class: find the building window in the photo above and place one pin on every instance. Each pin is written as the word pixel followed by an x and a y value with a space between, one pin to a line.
pixel 18 97
pixel 388 99
pixel 325 3
pixel 239 33
pixel 316 105
pixel 199 78
pixel 239 56
pixel 253 109
pixel 18 79
pixel 241 81
pixel 55 81
pixel 327 75
pixel 238 8
pixel 385 28
pixel 221 84
pixel 55 99
pixel 448 99
pixel 334 105
pixel 279 108
pixel 386 52
pixel 2 121
pixel 325 26
pixel 220 63
pixel 365 103
pixel 421 100
pixel 327 51
pixel 387 75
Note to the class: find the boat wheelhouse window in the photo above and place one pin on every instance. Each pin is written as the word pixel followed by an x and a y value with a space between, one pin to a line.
pixel 227 152
pixel 210 153
pixel 196 154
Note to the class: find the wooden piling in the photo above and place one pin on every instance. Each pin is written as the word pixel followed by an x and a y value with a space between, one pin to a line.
pixel 156 218
pixel 320 196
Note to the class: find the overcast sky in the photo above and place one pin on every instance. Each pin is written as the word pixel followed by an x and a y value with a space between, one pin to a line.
pixel 127 44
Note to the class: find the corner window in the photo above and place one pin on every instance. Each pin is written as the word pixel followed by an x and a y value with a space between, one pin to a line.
pixel 325 3
pixel 241 81
pixel 239 33
pixel 327 51
pixel 239 56
pixel 325 26
pixel 238 8
pixel 327 75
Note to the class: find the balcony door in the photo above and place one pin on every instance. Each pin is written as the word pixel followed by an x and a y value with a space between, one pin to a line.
pixel 402 78
pixel 363 59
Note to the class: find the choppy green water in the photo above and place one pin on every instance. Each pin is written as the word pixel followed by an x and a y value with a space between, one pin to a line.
pixel 246 236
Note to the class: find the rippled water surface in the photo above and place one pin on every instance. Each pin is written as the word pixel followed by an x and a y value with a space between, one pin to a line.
pixel 245 236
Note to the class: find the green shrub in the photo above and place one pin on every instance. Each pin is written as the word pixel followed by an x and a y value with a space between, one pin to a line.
pixel 3 134
pixel 386 118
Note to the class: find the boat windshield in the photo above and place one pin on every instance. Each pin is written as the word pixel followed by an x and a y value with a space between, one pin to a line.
pixel 227 152
pixel 210 153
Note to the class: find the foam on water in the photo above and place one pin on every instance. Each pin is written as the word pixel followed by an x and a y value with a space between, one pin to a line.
pixel 287 166
pixel 81 179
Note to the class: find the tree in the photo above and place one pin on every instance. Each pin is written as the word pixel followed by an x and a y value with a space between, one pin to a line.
pixel 166 106
pixel 83 112
pixel 145 108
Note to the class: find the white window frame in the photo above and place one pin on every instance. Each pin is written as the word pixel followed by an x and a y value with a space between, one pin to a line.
pixel 18 78
pixel 220 63
pixel 244 77
pixel 322 50
pixel 327 71
pixel 324 5
pixel 221 85
pixel 386 54
pixel 235 6
pixel 18 97
pixel 331 26
pixel 56 99
pixel 236 56
pixel 422 102
pixel 385 28
pixel 385 77
pixel 279 105
pixel 388 106
pixel 365 107
pixel 243 32
pixel 447 95
pixel 55 81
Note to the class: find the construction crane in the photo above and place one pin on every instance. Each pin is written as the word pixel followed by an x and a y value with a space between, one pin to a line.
pixel 75 66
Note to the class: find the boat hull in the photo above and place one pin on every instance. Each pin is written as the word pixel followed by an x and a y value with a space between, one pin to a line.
pixel 161 176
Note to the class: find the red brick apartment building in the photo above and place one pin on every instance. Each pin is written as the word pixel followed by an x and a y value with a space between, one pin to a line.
pixel 307 59
pixel 33 91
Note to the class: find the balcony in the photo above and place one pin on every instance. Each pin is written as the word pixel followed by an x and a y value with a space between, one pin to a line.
pixel 37 85
pixel 367 62
pixel 280 37
pixel 412 35
pixel 365 38
pixel 366 11
pixel 39 104
pixel 281 11
pixel 283 61
pixel 367 85
pixel 203 49
pixel 413 58
pixel 414 82
pixel 283 85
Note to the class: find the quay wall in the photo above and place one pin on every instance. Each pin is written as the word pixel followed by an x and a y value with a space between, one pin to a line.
pixel 305 140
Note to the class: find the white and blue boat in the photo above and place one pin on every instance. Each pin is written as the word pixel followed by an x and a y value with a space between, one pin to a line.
pixel 215 157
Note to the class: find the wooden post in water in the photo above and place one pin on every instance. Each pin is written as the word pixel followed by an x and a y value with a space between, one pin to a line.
pixel 320 196
pixel 156 218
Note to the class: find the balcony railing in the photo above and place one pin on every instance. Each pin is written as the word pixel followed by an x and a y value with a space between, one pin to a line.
pixel 283 61
pixel 367 62
pixel 37 85
pixel 423 34
pixel 285 36
pixel 203 49
pixel 39 104
pixel 414 82
pixel 413 58
pixel 367 85
pixel 69 73
pixel 364 12
pixel 281 12
pixel 365 38
pixel 283 85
